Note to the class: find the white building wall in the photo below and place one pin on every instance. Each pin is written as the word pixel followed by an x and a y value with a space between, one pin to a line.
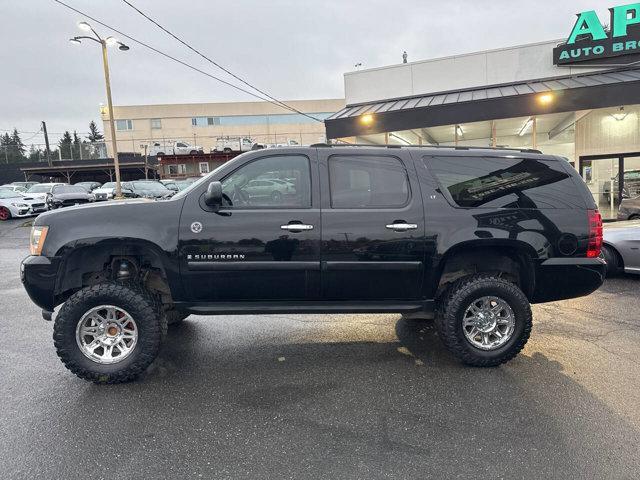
pixel 479 69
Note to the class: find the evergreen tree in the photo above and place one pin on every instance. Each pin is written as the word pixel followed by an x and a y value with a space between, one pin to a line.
pixel 76 145
pixel 64 145
pixel 5 147
pixel 94 133
pixel 18 146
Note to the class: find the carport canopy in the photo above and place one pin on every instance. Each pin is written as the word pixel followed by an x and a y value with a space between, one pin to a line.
pixel 534 97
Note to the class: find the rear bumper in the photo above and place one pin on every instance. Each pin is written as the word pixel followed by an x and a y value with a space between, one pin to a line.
pixel 38 275
pixel 562 278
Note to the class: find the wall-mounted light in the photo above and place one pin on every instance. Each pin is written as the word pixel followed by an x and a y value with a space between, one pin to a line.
pixel 545 98
pixel 620 114
pixel 525 127
pixel 366 119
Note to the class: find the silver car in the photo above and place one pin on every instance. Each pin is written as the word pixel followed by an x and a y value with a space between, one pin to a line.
pixel 621 248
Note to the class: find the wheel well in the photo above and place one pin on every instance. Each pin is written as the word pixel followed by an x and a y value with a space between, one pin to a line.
pixel 510 263
pixel 615 251
pixel 136 263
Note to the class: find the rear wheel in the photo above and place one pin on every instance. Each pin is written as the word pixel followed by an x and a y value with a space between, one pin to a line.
pixel 484 320
pixel 614 262
pixel 109 333
pixel 193 152
pixel 5 214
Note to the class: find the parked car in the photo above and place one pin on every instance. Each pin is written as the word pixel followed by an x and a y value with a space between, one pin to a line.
pixel 26 185
pixel 40 190
pixel 15 188
pixel 621 248
pixel 170 184
pixel 15 205
pixel 233 144
pixel 470 236
pixel 108 191
pixel 89 186
pixel 149 189
pixel 67 196
pixel 271 188
pixel 159 149
pixel 629 209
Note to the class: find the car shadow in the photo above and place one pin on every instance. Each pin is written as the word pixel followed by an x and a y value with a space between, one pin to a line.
pixel 404 408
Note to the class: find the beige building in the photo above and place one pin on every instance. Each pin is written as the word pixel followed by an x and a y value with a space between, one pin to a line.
pixel 202 124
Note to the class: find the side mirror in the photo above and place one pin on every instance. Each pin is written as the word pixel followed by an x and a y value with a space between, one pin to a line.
pixel 213 197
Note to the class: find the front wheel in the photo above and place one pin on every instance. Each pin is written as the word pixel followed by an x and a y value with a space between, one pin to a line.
pixel 484 320
pixel 5 214
pixel 109 333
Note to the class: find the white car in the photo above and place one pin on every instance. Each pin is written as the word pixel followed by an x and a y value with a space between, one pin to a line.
pixel 16 205
pixel 158 149
pixel 14 188
pixel 41 190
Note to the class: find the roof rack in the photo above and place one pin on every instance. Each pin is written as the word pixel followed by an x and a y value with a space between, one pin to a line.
pixel 450 147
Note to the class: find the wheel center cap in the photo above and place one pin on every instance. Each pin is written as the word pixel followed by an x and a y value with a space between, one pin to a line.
pixel 486 322
pixel 112 331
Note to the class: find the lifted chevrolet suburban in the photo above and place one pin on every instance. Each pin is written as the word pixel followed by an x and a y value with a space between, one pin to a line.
pixel 470 236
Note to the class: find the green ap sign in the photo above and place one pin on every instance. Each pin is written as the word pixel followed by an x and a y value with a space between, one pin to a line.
pixel 590 42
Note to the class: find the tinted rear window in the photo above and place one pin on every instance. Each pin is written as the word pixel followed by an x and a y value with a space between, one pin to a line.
pixel 498 182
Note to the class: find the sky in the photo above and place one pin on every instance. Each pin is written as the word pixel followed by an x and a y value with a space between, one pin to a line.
pixel 292 49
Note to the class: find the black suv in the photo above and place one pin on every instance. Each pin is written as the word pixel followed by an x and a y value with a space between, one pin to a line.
pixel 469 236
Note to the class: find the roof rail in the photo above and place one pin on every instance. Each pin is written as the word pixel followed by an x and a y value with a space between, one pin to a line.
pixel 444 147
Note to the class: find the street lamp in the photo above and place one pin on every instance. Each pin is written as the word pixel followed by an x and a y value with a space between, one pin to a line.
pixel 109 41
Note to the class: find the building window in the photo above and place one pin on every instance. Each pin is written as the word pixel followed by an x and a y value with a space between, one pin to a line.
pixel 124 125
pixel 179 169
pixel 204 167
pixel 205 121
pixel 156 124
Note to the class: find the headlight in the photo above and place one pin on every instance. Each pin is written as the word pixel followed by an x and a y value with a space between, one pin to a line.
pixel 36 241
pixel 20 205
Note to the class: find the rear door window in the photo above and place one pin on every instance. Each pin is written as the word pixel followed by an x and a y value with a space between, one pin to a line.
pixel 500 182
pixel 367 182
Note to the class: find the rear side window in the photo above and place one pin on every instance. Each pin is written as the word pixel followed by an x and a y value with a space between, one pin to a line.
pixel 498 182
pixel 367 182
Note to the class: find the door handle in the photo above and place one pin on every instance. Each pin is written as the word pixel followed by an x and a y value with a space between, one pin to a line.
pixel 296 227
pixel 402 227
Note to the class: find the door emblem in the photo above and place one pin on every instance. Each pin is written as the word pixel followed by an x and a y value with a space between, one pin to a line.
pixel 196 227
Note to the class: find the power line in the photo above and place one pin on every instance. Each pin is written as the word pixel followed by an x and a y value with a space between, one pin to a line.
pixel 279 102
pixel 139 42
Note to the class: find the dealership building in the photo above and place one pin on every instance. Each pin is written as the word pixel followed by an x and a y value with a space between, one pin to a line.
pixel 578 98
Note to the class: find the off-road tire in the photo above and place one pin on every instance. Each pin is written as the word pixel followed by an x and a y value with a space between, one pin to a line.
pixel 150 320
pixel 455 301
pixel 175 317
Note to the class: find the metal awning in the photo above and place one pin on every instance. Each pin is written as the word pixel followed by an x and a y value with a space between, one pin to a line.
pixel 565 94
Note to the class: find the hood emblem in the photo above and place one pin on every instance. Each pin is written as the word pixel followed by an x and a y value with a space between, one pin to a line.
pixel 196 227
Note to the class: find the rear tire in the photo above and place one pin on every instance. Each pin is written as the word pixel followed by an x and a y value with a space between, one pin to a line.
pixel 614 262
pixel 474 305
pixel 85 308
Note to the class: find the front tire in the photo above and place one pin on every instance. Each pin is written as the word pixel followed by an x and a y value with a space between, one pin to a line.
pixel 484 320
pixel 109 333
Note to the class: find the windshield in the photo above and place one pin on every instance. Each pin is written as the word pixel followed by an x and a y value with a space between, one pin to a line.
pixel 151 186
pixel 109 185
pixel 40 189
pixel 6 193
pixel 68 189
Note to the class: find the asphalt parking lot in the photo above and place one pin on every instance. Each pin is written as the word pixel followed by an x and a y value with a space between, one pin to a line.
pixel 327 396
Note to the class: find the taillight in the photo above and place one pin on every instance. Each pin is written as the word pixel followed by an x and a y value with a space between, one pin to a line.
pixel 595 234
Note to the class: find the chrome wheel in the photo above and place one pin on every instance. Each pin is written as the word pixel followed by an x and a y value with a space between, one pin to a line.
pixel 488 323
pixel 106 334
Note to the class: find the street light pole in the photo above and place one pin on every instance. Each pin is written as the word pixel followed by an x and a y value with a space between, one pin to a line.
pixel 114 143
pixel 105 62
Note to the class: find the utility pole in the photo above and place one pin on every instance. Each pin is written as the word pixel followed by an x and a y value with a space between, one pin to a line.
pixel 46 142
pixel 114 144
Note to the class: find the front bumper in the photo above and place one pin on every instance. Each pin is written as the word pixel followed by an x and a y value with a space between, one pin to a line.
pixel 38 275
pixel 562 278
